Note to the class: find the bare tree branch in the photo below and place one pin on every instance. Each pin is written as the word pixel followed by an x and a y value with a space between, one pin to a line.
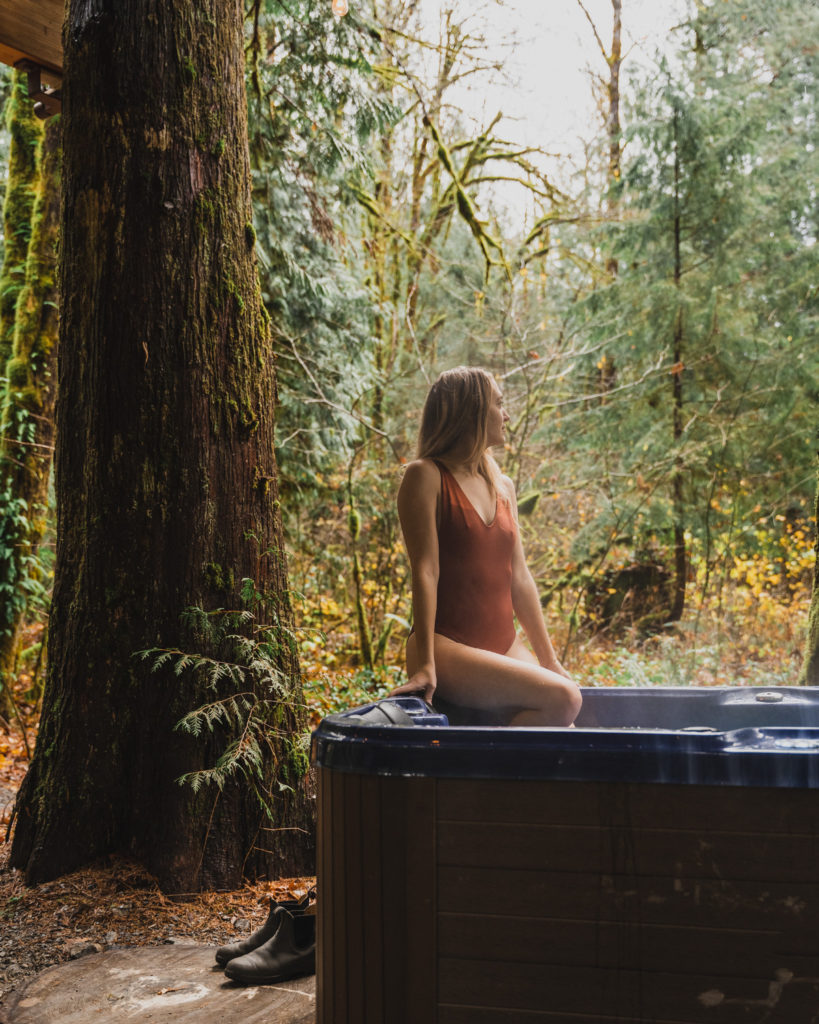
pixel 582 7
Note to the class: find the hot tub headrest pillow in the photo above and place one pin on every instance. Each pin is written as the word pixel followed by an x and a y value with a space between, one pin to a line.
pixel 385 712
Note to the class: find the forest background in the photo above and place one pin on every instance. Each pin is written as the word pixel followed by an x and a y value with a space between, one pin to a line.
pixel 648 306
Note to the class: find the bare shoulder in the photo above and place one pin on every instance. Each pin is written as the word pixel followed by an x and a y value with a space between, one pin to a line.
pixel 508 489
pixel 420 484
pixel 421 474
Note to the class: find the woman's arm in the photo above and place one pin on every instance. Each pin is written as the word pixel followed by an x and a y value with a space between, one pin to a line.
pixel 526 601
pixel 417 510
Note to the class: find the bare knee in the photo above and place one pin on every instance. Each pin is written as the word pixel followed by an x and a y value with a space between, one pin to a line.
pixel 563 700
pixel 571 700
pixel 558 704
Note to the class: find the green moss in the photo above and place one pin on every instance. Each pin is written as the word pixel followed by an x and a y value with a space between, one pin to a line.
pixel 250 235
pixel 26 131
pixel 189 74
pixel 17 372
pixel 212 574
pixel 354 523
pixel 28 347
pixel 299 755
pixel 218 149
pixel 233 292
pixel 205 206
pixel 217 578
pixel 29 399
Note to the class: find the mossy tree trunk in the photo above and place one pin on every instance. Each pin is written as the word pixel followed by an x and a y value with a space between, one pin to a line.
pixel 166 480
pixel 27 411
pixel 25 131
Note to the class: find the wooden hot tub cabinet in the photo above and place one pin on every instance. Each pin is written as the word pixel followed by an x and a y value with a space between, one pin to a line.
pixel 447 896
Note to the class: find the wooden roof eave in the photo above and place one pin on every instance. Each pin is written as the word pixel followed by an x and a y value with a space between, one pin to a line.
pixel 31 40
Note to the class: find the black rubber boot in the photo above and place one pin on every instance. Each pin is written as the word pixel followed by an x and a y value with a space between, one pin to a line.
pixel 224 954
pixel 290 952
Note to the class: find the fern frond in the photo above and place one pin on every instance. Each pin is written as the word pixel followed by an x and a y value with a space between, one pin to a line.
pixel 162 659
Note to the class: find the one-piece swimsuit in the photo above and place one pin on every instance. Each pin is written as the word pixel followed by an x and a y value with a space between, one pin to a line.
pixel 475 570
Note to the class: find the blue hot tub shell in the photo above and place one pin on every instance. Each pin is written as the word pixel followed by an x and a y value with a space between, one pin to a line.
pixel 713 736
pixel 657 863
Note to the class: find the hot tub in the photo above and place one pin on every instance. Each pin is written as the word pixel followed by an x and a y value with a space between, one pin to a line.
pixel 658 863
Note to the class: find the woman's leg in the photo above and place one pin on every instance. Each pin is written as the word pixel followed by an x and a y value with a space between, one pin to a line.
pixel 482 679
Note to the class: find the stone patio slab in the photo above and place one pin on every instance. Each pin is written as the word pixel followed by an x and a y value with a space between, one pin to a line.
pixel 172 984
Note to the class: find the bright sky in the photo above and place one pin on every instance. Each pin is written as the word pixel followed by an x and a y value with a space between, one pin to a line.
pixel 549 94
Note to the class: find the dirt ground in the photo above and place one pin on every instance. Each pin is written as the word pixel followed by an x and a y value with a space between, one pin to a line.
pixel 109 905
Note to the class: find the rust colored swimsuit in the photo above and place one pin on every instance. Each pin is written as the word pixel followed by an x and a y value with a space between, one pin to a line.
pixel 475 571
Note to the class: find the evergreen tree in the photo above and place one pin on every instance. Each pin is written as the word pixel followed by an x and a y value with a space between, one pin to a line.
pixel 166 479
pixel 26 131
pixel 312 109
pixel 709 321
pixel 27 411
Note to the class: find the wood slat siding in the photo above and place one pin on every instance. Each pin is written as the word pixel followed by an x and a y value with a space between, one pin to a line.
pixel 479 1015
pixel 371 908
pixel 495 902
pixel 646 997
pixel 608 944
pixel 32 29
pixel 325 911
pixel 589 849
pixel 684 808
pixel 651 900
pixel 583 902
pixel 376 900
pixel 797 1006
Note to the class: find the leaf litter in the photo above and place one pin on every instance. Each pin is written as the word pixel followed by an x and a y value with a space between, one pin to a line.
pixel 111 904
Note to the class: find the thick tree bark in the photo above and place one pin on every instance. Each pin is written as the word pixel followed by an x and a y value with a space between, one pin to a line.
pixel 25 131
pixel 165 473
pixel 27 415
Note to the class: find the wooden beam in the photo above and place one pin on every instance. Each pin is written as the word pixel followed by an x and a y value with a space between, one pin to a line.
pixel 32 30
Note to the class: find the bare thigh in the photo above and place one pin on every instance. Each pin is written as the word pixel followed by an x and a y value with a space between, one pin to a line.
pixel 515 681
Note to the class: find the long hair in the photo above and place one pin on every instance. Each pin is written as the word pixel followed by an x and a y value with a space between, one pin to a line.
pixel 455 415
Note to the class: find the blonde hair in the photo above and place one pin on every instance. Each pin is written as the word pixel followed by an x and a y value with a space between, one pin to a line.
pixel 456 411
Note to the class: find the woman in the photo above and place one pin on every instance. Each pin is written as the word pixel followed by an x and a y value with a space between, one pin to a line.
pixel 469 577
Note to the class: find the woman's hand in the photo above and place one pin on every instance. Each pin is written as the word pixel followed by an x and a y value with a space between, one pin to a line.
pixel 421 684
pixel 553 665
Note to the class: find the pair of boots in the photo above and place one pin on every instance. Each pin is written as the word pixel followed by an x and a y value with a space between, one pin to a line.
pixel 284 947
